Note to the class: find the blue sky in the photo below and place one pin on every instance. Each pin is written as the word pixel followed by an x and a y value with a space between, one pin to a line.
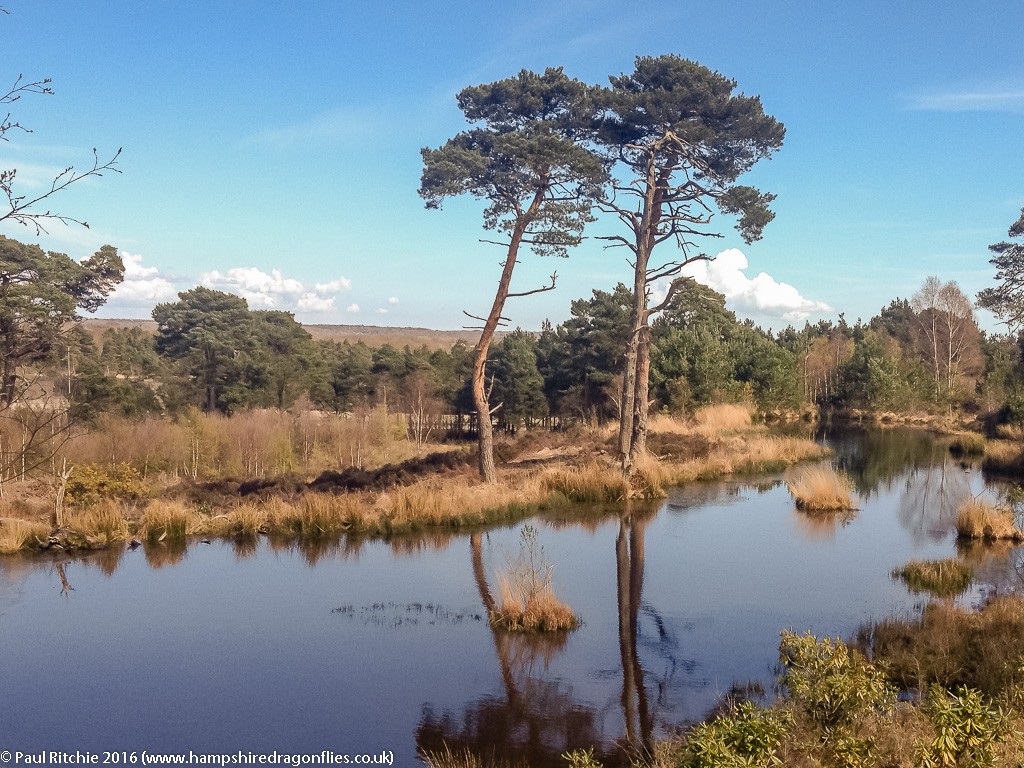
pixel 273 149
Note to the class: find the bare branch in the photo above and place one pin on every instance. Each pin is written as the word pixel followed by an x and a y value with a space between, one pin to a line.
pixel 554 277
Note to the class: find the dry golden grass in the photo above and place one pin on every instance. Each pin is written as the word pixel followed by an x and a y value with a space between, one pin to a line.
pixel 820 489
pixel 591 483
pixel 440 502
pixel 538 611
pixel 710 421
pixel 104 522
pixel 1004 456
pixel 17 535
pixel 168 520
pixel 977 519
pixel 464 758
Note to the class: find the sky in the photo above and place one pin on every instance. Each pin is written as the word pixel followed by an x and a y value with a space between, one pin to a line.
pixel 273 150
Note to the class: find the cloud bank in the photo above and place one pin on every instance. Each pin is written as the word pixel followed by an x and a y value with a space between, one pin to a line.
pixel 142 286
pixel 762 295
pixel 272 290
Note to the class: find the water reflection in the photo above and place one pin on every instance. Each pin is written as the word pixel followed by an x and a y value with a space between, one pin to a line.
pixel 683 603
pixel 537 720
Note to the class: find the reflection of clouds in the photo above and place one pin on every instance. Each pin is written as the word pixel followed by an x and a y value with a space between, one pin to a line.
pixel 932 495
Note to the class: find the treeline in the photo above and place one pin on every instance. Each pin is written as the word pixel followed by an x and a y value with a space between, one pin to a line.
pixel 211 351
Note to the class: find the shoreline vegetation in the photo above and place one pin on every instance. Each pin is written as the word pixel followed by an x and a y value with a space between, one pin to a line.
pixel 119 502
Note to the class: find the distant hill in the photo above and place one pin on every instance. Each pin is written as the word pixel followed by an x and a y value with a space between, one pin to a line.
pixel 371 335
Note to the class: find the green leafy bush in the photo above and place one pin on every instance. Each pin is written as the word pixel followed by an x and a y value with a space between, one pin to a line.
pixel 90 483
pixel 831 683
pixel 747 737
pixel 967 729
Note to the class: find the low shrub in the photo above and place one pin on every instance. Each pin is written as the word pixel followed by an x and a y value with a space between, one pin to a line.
pixel 747 736
pixel 89 483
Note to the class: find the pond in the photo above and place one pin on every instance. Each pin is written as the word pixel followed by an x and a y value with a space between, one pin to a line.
pixel 366 647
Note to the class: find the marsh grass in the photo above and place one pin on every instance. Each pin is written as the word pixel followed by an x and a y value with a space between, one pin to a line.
pixel 18 535
pixel 445 502
pixel 1004 457
pixel 104 522
pixel 977 519
pixel 820 489
pixel 528 602
pixel 591 483
pixel 168 520
pixel 951 646
pixel 941 578
pixel 967 444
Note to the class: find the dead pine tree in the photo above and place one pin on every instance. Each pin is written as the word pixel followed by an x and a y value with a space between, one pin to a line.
pixel 538 181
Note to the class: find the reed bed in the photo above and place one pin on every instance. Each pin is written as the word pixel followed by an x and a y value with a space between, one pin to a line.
pixel 446 501
pixel 820 489
pixel 1004 457
pixel 941 578
pixel 17 535
pixel 977 519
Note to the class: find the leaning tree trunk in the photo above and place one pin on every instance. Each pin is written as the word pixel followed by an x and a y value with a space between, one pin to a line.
pixel 485 429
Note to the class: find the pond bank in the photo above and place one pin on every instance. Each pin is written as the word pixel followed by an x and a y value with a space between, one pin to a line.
pixel 449 497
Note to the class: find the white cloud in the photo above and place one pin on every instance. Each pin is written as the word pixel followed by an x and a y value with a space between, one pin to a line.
pixel 272 290
pixel 997 97
pixel 257 287
pixel 334 286
pixel 761 295
pixel 141 285
pixel 312 302
pixel 381 311
pixel 352 308
pixel 392 300
pixel 330 127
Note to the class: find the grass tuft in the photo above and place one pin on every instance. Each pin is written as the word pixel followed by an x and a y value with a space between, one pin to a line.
pixel 977 519
pixel 528 602
pixel 17 535
pixel 820 489
pixel 941 578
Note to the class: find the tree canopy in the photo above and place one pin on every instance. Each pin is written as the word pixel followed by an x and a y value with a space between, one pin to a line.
pixel 1007 299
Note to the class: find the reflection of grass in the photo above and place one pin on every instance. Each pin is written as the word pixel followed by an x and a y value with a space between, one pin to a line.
pixel 942 578
pixel 979 520
pixel 967 444
pixel 820 489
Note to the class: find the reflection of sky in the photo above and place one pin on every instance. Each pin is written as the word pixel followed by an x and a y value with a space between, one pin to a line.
pixel 239 648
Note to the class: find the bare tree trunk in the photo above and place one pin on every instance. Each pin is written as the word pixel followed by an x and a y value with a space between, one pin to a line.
pixel 641 405
pixel 58 499
pixel 485 430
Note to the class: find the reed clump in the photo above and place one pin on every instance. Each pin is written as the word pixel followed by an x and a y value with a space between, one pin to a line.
pixel 528 602
pixel 820 489
pixel 168 520
pixel 941 578
pixel 18 535
pixel 103 523
pixel 977 519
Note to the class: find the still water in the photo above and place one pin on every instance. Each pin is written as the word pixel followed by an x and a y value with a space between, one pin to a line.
pixel 360 647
